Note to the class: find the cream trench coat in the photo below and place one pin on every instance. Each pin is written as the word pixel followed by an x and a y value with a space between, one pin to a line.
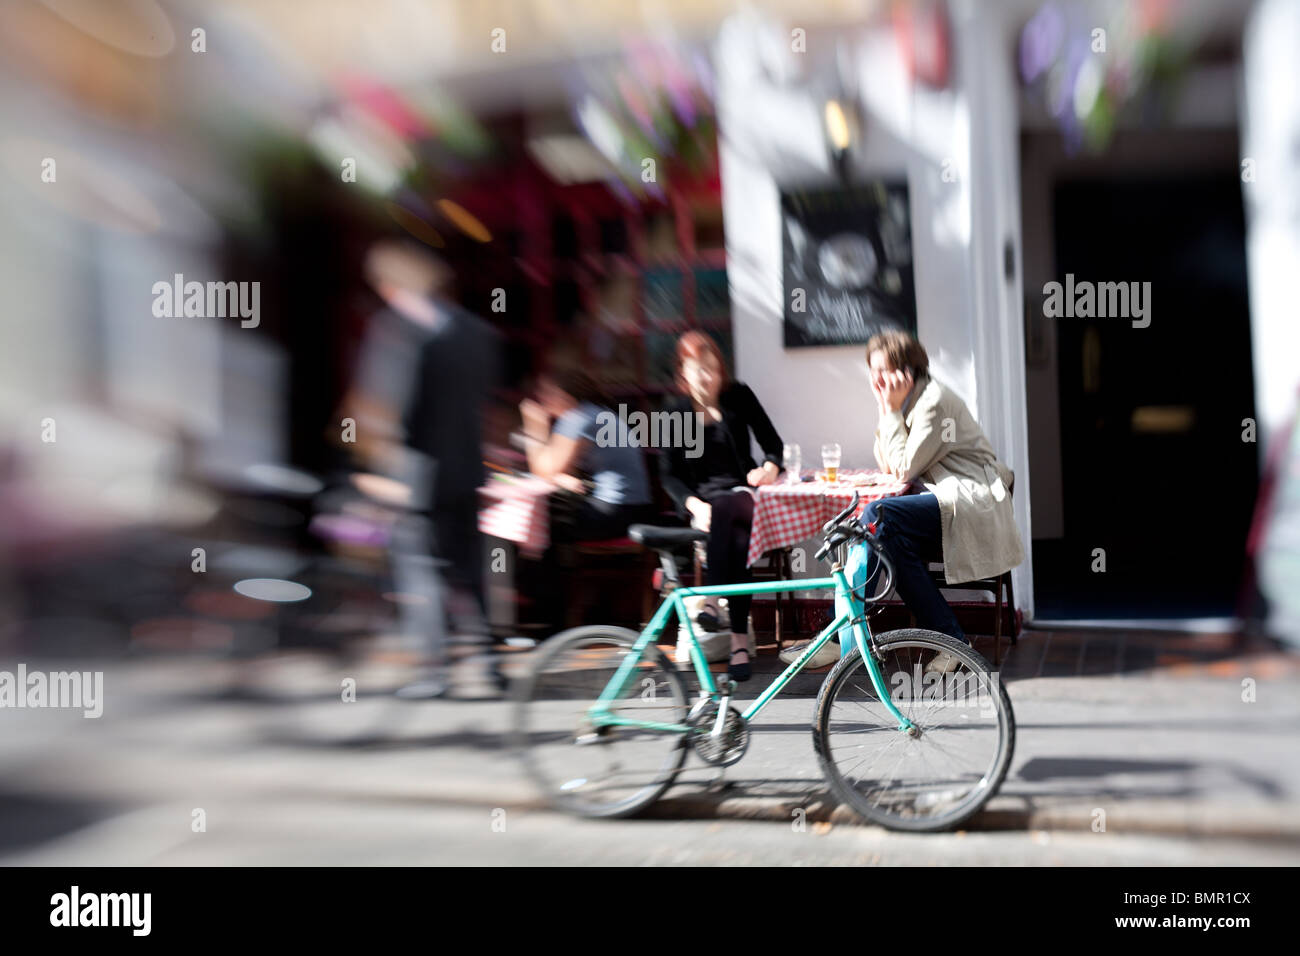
pixel 939 443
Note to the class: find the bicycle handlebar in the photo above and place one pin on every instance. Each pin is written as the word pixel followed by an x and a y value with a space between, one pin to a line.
pixel 832 541
pixel 851 509
pixel 836 535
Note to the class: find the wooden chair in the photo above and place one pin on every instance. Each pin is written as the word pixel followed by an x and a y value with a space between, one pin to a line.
pixel 775 566
pixel 595 572
pixel 994 586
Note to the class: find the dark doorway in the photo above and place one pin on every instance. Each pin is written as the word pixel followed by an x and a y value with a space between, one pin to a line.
pixel 1154 469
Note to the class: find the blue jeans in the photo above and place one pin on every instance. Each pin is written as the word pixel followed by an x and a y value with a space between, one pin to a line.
pixel 909 528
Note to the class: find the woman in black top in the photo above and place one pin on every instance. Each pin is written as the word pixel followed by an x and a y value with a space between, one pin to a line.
pixel 702 486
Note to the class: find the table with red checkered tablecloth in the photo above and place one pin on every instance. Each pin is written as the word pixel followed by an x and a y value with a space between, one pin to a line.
pixel 785 514
pixel 517 509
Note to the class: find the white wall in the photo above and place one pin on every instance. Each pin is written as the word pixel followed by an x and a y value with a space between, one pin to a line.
pixel 1271 130
pixel 78 341
pixel 987 74
pixel 770 135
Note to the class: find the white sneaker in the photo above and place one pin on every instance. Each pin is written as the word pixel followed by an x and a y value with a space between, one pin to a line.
pixel 430 689
pixel 943 663
pixel 477 677
pixel 829 654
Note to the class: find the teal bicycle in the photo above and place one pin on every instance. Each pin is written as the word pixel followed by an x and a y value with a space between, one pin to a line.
pixel 912 728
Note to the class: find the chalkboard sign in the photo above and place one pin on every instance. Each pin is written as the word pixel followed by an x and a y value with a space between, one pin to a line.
pixel 847 263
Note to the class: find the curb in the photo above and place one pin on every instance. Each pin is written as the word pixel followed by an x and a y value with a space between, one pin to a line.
pixel 1162 818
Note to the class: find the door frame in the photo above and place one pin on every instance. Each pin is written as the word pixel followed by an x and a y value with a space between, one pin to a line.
pixel 987 74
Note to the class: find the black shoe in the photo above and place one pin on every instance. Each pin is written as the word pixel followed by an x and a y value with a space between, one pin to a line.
pixel 740 672
pixel 708 622
pixel 499 678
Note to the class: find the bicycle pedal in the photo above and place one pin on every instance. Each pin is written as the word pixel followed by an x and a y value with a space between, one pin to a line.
pixel 588 733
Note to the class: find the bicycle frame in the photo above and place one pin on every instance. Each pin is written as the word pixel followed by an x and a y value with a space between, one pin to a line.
pixel 849 613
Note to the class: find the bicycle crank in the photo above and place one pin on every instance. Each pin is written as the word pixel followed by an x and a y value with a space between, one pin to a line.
pixel 720 742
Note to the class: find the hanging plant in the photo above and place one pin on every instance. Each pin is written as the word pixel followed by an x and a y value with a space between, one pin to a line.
pixel 1090 62
pixel 649 114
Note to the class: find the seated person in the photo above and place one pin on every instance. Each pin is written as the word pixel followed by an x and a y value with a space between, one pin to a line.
pixel 928 436
pixel 702 486
pixel 603 487
pixel 561 429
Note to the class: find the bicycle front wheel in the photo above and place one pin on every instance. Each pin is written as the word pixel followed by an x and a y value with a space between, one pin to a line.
pixel 954 762
pixel 581 766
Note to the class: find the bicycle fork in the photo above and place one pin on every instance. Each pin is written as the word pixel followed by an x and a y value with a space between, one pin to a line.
pixel 858 627
pixel 851 611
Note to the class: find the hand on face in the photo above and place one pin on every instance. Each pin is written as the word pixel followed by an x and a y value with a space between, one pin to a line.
pixel 892 392
pixel 878 395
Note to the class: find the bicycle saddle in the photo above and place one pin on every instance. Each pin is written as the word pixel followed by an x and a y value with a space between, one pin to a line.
pixel 653 536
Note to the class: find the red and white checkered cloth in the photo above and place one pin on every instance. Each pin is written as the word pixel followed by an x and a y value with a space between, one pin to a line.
pixel 785 514
pixel 518 511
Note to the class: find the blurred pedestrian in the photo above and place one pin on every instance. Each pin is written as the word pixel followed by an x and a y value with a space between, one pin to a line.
pixel 453 357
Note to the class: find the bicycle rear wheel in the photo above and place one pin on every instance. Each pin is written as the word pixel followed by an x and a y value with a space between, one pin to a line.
pixel 950 769
pixel 590 770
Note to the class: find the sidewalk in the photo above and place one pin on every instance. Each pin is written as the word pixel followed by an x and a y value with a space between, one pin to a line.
pixel 1150 729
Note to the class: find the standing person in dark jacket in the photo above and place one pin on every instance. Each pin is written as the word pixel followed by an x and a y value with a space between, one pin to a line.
pixel 456 367
pixel 702 486
pixel 457 370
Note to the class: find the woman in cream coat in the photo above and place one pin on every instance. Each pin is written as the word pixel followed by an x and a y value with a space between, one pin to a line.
pixel 928 436
pixel 960 511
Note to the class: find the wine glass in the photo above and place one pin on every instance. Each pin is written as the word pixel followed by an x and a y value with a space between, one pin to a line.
pixel 791 461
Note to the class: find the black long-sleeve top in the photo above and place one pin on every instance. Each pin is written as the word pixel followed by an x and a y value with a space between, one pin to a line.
pixel 683 476
pixel 459 365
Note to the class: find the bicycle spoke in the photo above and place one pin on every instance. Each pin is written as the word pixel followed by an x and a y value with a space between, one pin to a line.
pixel 920 781
pixel 607 769
pixel 885 789
pixel 878 756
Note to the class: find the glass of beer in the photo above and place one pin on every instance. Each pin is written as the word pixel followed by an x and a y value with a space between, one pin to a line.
pixel 831 461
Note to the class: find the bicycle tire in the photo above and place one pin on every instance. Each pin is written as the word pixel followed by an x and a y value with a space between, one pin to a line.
pixel 985 681
pixel 528 732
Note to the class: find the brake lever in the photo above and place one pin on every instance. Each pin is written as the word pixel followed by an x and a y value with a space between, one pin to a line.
pixel 836 539
pixel 851 509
